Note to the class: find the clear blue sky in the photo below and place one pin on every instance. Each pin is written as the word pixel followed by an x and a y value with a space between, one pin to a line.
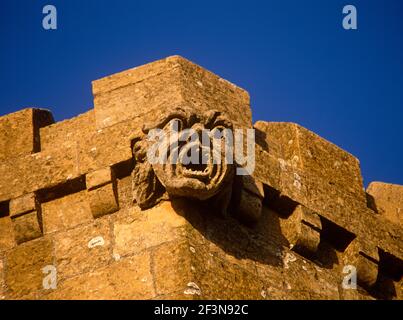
pixel 294 58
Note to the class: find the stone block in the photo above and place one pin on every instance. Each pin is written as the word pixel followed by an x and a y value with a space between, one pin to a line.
pixel 303 279
pixel 365 258
pixel 267 168
pixel 68 132
pixel 172 267
pixel 103 200
pixel 144 90
pixel 388 200
pixel 27 227
pixel 23 274
pixel 19 132
pixel 156 226
pixel 7 240
pixel 127 279
pixel 23 204
pixel 66 212
pixel 2 281
pixel 83 249
pixel 99 178
pixel 302 230
pixel 41 170
pixel 304 150
pixel 249 207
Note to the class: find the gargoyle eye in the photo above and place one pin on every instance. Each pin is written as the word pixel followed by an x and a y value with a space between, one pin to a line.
pixel 219 132
pixel 174 124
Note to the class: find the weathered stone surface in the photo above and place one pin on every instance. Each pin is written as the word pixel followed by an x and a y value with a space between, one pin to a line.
pixel 365 259
pixel 98 178
pixel 27 227
pixel 19 132
pixel 231 281
pixel 127 279
pixel 249 207
pixel 388 200
pixel 154 227
pixel 7 240
pixel 302 230
pixel 324 178
pixel 355 294
pixel 66 212
pixel 267 168
pixel 83 249
pixel 33 172
pixel 142 90
pixel 2 281
pixel 23 204
pixel 323 161
pixel 68 132
pixel 24 274
pixel 103 200
pixel 172 267
pixel 68 161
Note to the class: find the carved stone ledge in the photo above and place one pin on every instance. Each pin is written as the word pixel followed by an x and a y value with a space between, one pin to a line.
pixel 302 230
pixel 365 259
pixel 102 193
pixel 25 213
pixel 247 200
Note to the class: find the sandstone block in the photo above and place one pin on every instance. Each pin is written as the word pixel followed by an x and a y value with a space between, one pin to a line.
pixel 143 90
pixel 66 212
pixel 2 282
pixel 19 132
pixel 27 227
pixel 303 279
pixel 302 149
pixel 172 267
pixel 127 279
pixel 24 204
pixel 158 225
pixel 302 230
pixel 7 240
pixel 41 170
pixel 365 258
pixel 24 275
pixel 267 168
pixel 249 207
pixel 83 249
pixel 68 132
pixel 103 200
pixel 247 196
pixel 388 200
pixel 99 178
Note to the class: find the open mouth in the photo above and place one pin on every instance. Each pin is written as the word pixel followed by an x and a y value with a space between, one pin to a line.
pixel 195 161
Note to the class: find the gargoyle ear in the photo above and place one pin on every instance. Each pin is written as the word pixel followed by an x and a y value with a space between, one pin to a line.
pixel 147 189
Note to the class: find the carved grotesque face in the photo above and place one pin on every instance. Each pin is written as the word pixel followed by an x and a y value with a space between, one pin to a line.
pixel 187 153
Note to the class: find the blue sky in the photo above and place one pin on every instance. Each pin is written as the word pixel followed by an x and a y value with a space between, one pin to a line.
pixel 294 58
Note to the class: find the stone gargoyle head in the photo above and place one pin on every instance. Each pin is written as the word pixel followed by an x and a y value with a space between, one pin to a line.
pixel 183 154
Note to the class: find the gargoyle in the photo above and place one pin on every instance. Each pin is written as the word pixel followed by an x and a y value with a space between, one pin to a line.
pixel 185 154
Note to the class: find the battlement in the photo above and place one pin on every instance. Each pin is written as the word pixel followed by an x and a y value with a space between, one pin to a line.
pixel 78 196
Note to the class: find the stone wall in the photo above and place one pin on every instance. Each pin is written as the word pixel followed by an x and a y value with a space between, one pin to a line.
pixel 75 198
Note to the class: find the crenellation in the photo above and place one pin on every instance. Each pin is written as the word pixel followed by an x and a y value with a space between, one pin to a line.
pixel 68 132
pixel 19 132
